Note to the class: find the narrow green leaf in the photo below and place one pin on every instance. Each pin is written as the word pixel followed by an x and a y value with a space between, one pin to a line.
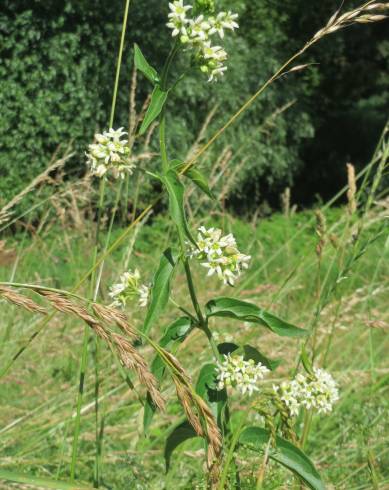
pixel 143 66
pixel 42 482
pixel 194 175
pixel 180 434
pixel 176 190
pixel 306 361
pixel 248 312
pixel 285 453
pixel 251 352
pixel 158 99
pixel 161 288
pixel 175 333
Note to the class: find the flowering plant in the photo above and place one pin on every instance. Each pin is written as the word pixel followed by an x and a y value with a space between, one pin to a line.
pixel 235 370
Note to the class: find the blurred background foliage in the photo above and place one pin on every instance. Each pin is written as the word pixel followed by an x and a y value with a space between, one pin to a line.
pixel 57 66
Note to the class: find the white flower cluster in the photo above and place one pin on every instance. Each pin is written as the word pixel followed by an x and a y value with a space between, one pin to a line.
pixel 238 373
pixel 197 32
pixel 110 153
pixel 219 254
pixel 129 288
pixel 317 392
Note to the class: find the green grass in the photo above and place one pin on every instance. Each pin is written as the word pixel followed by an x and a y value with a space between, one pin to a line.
pixel 38 395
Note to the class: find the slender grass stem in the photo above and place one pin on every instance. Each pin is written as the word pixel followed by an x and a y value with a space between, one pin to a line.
pixel 84 355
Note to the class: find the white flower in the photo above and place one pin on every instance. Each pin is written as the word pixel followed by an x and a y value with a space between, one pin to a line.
pixel 129 288
pixel 224 20
pixel 198 29
pixel 219 254
pixel 110 154
pixel 238 373
pixel 215 53
pixel 217 72
pixel 177 17
pixel 316 392
pixel 144 294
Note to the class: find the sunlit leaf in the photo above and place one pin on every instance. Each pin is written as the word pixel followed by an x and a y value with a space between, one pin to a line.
pixel 285 453
pixel 248 312
pixel 176 190
pixel 158 99
pixel 143 66
pixel 161 288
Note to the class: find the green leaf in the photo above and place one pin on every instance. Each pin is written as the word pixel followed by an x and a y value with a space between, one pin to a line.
pixel 175 333
pixel 226 348
pixel 176 190
pixel 200 180
pixel 247 312
pixel 254 354
pixel 285 453
pixel 206 387
pixel 143 66
pixel 161 288
pixel 180 434
pixel 194 175
pixel 158 99
pixel 42 482
pixel 306 361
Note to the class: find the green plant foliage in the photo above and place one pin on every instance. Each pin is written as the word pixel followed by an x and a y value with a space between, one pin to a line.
pixel 245 311
pixel 143 66
pixel 176 190
pixel 158 99
pixel 285 453
pixel 160 290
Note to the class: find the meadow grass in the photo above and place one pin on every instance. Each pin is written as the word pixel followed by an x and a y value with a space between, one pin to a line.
pixel 38 395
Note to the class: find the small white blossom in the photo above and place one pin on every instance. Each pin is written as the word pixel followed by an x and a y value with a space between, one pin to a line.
pixel 144 294
pixel 316 392
pixel 129 288
pixel 110 153
pixel 244 375
pixel 177 17
pixel 219 254
pixel 224 20
pixel 198 29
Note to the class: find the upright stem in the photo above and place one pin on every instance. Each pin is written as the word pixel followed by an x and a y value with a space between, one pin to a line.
pixel 84 355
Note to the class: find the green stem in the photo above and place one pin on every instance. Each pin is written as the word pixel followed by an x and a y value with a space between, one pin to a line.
pixel 84 355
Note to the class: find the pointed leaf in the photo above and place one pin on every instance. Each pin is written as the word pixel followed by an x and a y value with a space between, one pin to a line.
pixel 175 333
pixel 176 190
pixel 194 175
pixel 306 361
pixel 158 99
pixel 200 180
pixel 227 348
pixel 285 453
pixel 254 354
pixel 248 312
pixel 143 66
pixel 180 434
pixel 161 288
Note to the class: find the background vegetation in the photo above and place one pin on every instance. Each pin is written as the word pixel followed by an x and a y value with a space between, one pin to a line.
pixel 57 63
